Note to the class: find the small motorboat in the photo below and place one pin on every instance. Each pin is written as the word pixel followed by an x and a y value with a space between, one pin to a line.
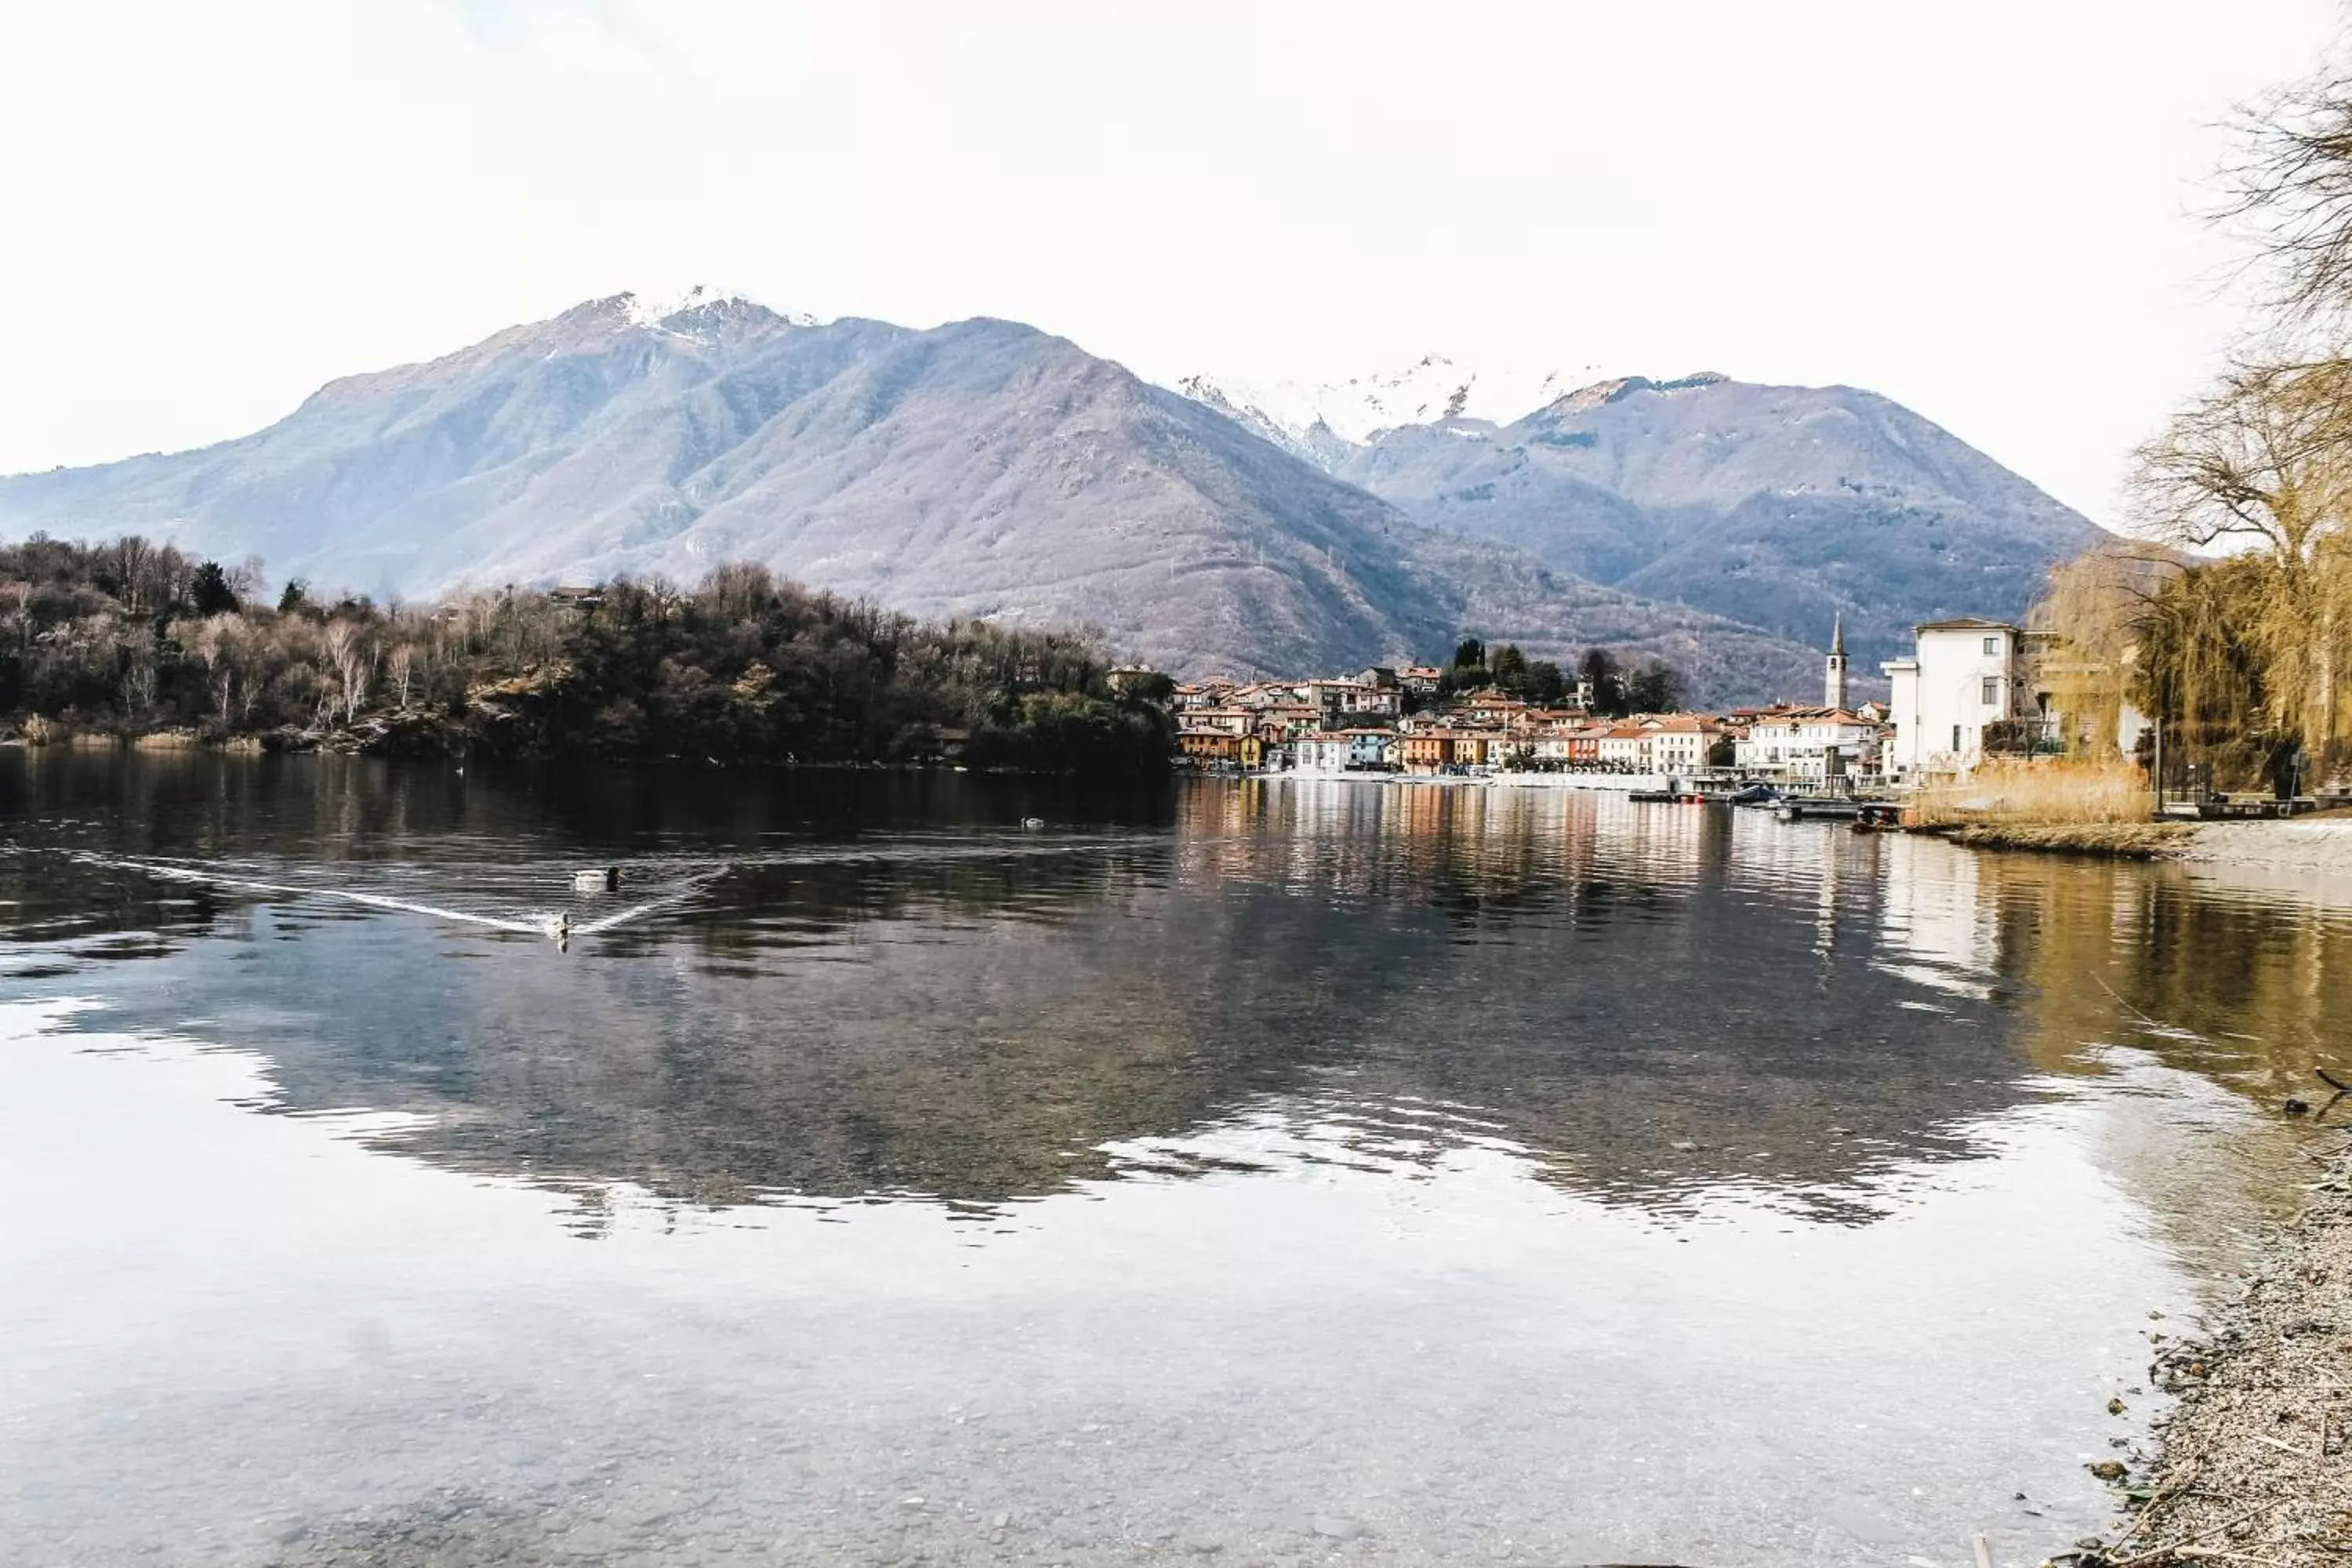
pixel 607 880
pixel 1032 823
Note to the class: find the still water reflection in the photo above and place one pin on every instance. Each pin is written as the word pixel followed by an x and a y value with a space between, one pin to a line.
pixel 1245 1172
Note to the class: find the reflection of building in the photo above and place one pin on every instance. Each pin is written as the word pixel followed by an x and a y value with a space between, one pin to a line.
pixel 1932 914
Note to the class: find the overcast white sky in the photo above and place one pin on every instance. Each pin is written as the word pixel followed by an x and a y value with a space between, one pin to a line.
pixel 1980 209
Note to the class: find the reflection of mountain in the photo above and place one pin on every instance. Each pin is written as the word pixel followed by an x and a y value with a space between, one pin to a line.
pixel 894 991
pixel 898 998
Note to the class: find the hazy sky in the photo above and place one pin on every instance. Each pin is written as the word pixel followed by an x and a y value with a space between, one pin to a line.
pixel 1980 209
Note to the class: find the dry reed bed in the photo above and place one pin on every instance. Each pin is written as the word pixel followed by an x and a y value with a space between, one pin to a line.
pixel 2039 793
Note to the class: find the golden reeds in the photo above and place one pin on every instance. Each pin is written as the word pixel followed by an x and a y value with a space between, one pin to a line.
pixel 2070 790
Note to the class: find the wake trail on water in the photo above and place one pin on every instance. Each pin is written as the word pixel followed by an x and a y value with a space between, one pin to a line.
pixel 1024 849
pixel 374 901
pixel 547 922
pixel 693 886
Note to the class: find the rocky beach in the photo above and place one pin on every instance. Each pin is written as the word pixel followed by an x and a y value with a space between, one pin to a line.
pixel 2250 1466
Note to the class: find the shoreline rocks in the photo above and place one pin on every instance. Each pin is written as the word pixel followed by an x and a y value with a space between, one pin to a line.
pixel 2250 1465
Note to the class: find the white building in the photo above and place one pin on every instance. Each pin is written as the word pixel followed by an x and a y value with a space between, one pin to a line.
pixel 1968 674
pixel 1809 746
pixel 1833 686
pixel 1680 742
pixel 1343 750
pixel 1628 747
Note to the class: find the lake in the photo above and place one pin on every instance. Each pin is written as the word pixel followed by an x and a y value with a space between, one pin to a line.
pixel 1225 1172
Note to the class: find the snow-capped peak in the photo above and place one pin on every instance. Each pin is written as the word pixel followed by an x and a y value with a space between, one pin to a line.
pixel 1431 389
pixel 658 309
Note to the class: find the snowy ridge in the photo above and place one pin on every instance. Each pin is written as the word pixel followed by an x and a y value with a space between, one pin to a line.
pixel 654 308
pixel 1355 411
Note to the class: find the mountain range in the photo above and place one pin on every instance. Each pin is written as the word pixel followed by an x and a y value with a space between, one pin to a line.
pixel 1779 507
pixel 987 468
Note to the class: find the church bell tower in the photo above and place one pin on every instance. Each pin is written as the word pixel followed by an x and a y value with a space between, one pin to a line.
pixel 1833 680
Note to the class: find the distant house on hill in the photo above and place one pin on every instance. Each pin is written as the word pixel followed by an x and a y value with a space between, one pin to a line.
pixel 1140 680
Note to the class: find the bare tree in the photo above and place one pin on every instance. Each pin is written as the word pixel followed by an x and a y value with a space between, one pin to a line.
pixel 2264 460
pixel 2290 188
pixel 218 643
pixel 401 664
pixel 352 657
pixel 139 680
pixel 2256 475
pixel 247 579
pixel 132 559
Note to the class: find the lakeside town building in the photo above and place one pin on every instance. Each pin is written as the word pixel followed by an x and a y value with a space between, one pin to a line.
pixel 1972 687
pixel 1810 746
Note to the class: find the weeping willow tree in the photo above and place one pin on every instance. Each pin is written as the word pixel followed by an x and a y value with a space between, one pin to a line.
pixel 2243 649
pixel 2097 616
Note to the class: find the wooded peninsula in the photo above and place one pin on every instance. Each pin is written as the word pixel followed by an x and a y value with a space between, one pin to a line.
pixel 131 638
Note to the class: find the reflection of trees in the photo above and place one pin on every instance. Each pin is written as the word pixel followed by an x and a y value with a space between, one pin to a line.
pixel 900 1032
pixel 2185 980
pixel 1652 1004
pixel 2247 990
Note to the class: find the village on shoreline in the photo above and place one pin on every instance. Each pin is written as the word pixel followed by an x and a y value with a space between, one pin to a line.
pixel 1967 695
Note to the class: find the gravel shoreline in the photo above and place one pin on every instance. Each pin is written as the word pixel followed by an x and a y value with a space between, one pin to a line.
pixel 2306 856
pixel 2250 1465
pixel 2319 845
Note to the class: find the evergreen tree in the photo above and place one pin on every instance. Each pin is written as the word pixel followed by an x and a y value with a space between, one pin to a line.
pixel 210 592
